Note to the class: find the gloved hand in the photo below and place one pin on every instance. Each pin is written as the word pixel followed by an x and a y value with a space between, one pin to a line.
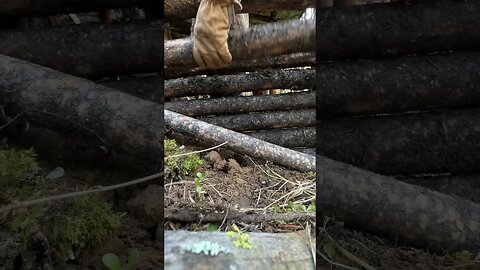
pixel 210 34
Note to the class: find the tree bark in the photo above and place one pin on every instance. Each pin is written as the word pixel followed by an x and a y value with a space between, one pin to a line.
pixel 149 88
pixel 185 9
pixel 393 29
pixel 268 251
pixel 238 142
pixel 90 50
pixel 52 7
pixel 305 59
pixel 120 120
pixel 387 206
pixel 399 85
pixel 237 105
pixel 302 137
pixel 260 41
pixel 435 142
pixel 265 120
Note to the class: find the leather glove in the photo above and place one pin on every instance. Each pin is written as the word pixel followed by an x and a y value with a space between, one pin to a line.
pixel 210 34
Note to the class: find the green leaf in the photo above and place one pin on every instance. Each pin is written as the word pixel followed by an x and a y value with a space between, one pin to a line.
pixel 198 189
pixel 132 259
pixel 56 173
pixel 212 227
pixel 330 249
pixel 231 234
pixel 111 261
pixel 311 208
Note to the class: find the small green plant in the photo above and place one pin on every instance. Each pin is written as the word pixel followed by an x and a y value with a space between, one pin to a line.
pixel 190 163
pixel 112 261
pixel 198 184
pixel 184 164
pixel 295 207
pixel 15 164
pixel 90 222
pixel 460 256
pixel 240 239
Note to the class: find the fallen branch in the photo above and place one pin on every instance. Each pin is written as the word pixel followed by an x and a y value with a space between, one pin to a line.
pixel 239 142
pixel 257 42
pixel 265 120
pixel 301 137
pixel 237 83
pixel 187 215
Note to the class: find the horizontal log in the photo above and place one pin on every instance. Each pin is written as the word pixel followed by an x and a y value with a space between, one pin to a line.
pixel 308 151
pixel 265 120
pixel 268 251
pixel 435 142
pixel 119 120
pixel 304 59
pixel 403 84
pixel 304 137
pixel 149 88
pixel 260 41
pixel 405 212
pixel 243 82
pixel 238 142
pixel 90 50
pixel 184 9
pixel 392 29
pixel 237 105
pixel 52 7
pixel 464 186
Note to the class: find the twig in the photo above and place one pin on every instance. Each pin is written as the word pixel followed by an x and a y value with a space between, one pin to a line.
pixel 80 193
pixel 196 152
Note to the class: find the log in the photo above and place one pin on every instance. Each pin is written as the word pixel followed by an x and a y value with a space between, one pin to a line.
pixel 184 9
pixel 268 251
pixel 383 205
pixel 435 142
pixel 393 29
pixel 52 7
pixel 238 142
pixel 237 105
pixel 264 40
pixel 265 120
pixel 85 50
pixel 464 186
pixel 308 151
pixel 122 122
pixel 237 83
pixel 149 88
pixel 449 80
pixel 305 59
pixel 304 137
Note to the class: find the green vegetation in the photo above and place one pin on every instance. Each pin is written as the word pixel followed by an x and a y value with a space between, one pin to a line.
pixel 112 261
pixel 240 239
pixel 183 164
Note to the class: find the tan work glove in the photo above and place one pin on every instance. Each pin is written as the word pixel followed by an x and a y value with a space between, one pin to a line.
pixel 210 34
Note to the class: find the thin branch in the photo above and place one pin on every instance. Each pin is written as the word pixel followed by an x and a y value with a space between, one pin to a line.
pixel 197 152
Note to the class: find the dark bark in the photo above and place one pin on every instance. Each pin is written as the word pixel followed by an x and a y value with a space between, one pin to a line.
pixel 384 205
pixel 304 137
pixel 90 50
pixel 265 120
pixel 435 142
pixel 237 105
pixel 399 85
pixel 464 186
pixel 184 9
pixel 261 41
pixel 237 83
pixel 149 88
pixel 268 251
pixel 392 29
pixel 120 120
pixel 52 7
pixel 238 142
pixel 282 61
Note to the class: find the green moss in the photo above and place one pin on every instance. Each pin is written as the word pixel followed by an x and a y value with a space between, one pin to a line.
pixel 184 164
pixel 15 164
pixel 90 223
pixel 190 163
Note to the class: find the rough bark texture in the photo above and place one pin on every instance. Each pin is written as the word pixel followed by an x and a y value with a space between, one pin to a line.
pixel 90 50
pixel 238 142
pixel 51 7
pixel 265 120
pixel 464 186
pixel 435 142
pixel 236 83
pixel 149 88
pixel 399 85
pixel 123 121
pixel 304 137
pixel 268 251
pixel 265 40
pixel 183 9
pixel 304 59
pixel 392 29
pixel 384 205
pixel 236 105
